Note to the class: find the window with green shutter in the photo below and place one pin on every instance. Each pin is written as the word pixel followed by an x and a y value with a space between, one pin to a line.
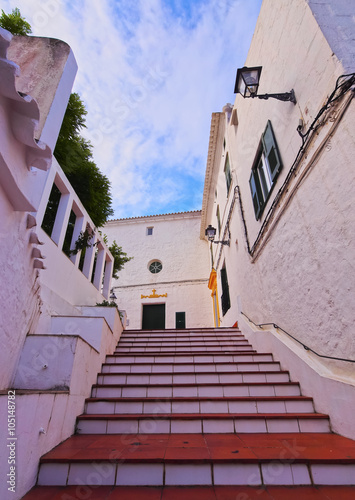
pixel 227 173
pixel 218 215
pixel 225 298
pixel 266 168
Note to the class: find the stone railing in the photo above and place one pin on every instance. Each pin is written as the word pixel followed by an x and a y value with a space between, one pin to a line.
pixel 95 267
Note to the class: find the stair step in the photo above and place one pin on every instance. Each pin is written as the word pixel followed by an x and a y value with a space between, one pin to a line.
pixel 182 340
pixel 190 369
pixel 204 423
pixel 192 378
pixel 188 349
pixel 200 390
pixel 199 405
pixel 198 408
pixel 186 340
pixel 184 331
pixel 194 492
pixel 263 460
pixel 190 358
pixel 186 336
pixel 180 345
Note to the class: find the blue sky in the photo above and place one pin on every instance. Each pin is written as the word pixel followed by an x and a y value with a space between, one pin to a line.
pixel 151 73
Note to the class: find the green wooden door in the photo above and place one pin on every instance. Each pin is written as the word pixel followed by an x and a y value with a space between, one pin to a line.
pixel 180 321
pixel 153 317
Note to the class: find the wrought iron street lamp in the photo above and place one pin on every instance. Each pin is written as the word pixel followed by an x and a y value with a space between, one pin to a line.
pixel 247 83
pixel 211 234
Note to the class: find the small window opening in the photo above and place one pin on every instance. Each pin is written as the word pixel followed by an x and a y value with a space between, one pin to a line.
pixel 51 210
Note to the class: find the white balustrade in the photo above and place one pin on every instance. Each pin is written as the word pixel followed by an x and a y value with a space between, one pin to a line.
pixel 96 249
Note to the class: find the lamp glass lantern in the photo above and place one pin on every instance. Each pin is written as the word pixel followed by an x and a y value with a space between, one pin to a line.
pixel 247 81
pixel 210 233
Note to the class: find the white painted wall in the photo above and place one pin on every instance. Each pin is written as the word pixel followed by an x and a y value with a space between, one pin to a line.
pixel 184 277
pixel 340 39
pixel 48 400
pixel 19 291
pixel 31 294
pixel 302 276
pixel 48 69
pixel 332 390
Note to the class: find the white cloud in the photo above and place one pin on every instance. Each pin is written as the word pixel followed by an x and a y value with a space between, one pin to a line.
pixel 150 73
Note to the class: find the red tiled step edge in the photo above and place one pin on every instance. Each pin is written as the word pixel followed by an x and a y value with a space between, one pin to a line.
pixel 240 354
pixel 230 372
pixel 191 493
pixel 198 374
pixel 187 338
pixel 233 348
pixel 182 338
pixel 220 455
pixel 187 341
pixel 199 398
pixel 182 363
pixel 249 352
pixel 176 349
pixel 225 423
pixel 185 333
pixel 193 448
pixel 194 416
pixel 208 384
pixel 183 330
pixel 323 447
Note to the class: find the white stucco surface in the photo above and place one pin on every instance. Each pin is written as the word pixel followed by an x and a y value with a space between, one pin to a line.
pixel 332 390
pixel 19 293
pixel 301 274
pixel 50 374
pixel 336 20
pixel 89 328
pixel 48 69
pixel 54 377
pixel 185 267
pixel 24 161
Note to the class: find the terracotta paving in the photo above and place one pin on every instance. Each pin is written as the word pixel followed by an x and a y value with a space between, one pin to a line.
pixel 248 448
pixel 191 493
pixel 148 378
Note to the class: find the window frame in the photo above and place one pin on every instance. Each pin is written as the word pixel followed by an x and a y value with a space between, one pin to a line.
pixel 228 174
pixel 218 215
pixel 225 297
pixel 266 167
pixel 155 266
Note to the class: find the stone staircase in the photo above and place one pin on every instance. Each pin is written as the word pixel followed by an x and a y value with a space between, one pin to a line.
pixel 197 413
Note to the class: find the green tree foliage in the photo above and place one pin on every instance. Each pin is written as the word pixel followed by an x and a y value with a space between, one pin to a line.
pixel 74 155
pixel 15 23
pixel 119 258
pixel 74 118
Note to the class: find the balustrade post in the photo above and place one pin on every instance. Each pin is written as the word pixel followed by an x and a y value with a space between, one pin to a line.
pixel 89 258
pixel 99 268
pixel 107 278
pixel 79 226
pixel 62 219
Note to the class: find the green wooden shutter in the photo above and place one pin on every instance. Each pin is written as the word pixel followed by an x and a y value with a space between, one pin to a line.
pixel 225 299
pixel 256 193
pixel 227 173
pixel 271 151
